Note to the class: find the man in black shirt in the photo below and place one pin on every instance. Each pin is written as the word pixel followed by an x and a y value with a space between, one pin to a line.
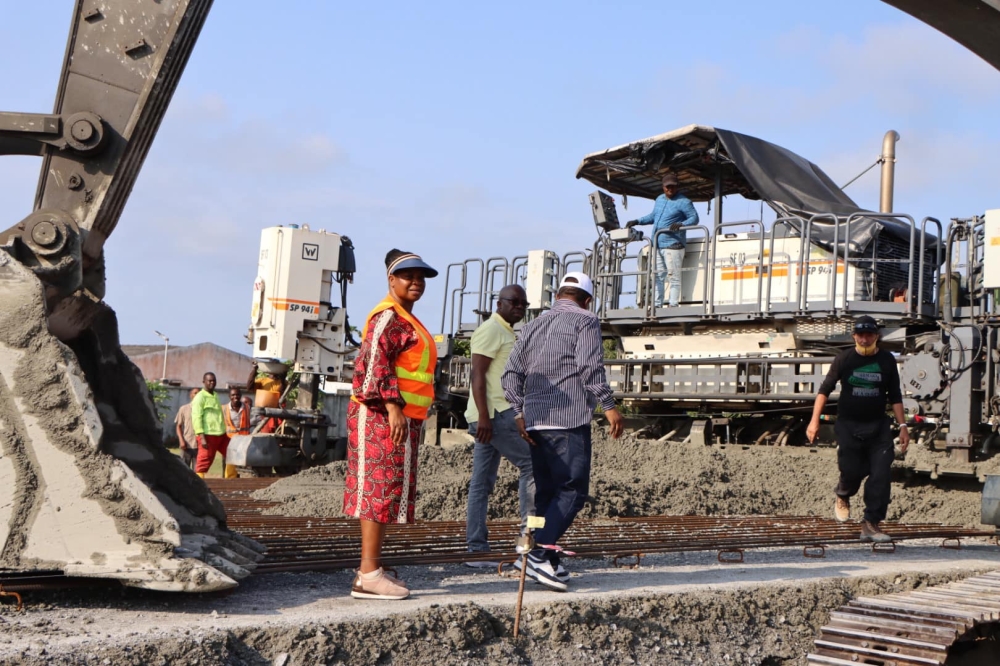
pixel 868 380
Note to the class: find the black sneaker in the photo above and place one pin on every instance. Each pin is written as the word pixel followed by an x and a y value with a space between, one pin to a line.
pixel 871 533
pixel 543 572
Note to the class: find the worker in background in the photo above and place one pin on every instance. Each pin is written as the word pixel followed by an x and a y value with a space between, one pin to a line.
pixel 553 380
pixel 273 386
pixel 236 414
pixel 391 394
pixel 265 381
pixel 491 422
pixel 209 428
pixel 868 379
pixel 672 211
pixel 186 438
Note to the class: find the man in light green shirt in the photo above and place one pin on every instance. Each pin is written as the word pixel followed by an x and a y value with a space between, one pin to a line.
pixel 209 428
pixel 491 421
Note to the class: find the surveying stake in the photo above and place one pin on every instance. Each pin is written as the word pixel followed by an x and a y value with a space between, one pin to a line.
pixel 525 544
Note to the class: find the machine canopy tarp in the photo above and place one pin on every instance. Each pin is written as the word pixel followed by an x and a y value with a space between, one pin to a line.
pixel 796 186
pixel 756 169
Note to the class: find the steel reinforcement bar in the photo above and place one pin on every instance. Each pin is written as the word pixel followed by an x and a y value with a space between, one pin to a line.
pixel 301 544
pixel 322 544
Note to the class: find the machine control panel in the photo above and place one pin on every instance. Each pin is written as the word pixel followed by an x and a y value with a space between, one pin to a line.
pixel 605 213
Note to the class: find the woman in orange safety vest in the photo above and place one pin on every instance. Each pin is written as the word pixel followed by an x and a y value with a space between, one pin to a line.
pixel 393 389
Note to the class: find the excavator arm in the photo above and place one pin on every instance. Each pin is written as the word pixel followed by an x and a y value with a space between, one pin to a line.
pixel 122 64
pixel 86 486
pixel 975 24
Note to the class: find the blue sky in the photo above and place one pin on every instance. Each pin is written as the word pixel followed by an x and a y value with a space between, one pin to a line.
pixel 454 129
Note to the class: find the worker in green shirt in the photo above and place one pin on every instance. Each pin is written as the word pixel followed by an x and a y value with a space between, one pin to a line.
pixel 209 428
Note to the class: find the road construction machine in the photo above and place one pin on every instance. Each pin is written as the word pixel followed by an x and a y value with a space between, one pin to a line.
pixel 86 486
pixel 301 338
pixel 767 303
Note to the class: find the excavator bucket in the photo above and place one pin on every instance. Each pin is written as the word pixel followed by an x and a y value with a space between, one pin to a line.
pixel 86 486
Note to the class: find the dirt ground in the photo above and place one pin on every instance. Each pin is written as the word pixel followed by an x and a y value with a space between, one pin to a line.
pixel 679 608
pixel 632 476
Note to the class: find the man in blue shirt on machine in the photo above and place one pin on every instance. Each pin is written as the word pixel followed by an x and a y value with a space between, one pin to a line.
pixel 671 213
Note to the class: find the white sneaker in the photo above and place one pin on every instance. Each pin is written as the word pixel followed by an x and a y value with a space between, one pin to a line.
pixel 542 572
pixel 561 572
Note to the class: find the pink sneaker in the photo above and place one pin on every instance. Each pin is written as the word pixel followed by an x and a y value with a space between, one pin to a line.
pixel 381 587
pixel 394 576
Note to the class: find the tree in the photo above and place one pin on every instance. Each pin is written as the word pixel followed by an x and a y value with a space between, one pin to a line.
pixel 160 395
pixel 462 348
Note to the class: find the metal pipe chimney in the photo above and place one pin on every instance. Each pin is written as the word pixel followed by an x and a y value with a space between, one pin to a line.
pixel 888 160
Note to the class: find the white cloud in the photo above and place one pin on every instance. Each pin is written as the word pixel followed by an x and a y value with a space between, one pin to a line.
pixel 903 69
pixel 904 75
pixel 259 146
pixel 201 132
pixel 906 65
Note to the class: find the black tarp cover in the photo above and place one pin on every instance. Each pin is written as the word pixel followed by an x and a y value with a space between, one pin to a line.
pixel 758 169
pixel 794 186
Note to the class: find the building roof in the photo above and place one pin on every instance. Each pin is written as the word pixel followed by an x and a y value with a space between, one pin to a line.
pixel 133 351
pixel 140 350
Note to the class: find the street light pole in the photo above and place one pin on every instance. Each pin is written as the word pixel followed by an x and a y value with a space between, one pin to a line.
pixel 166 348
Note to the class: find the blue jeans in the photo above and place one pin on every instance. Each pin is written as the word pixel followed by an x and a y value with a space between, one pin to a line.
pixel 506 442
pixel 669 262
pixel 561 460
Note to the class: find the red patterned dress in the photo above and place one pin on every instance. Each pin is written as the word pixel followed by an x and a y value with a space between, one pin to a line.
pixel 381 482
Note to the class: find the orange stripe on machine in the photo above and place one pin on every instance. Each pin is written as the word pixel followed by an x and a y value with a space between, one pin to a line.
pixel 820 267
pixel 295 305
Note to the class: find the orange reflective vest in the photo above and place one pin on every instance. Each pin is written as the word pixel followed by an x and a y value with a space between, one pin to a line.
pixel 415 366
pixel 231 428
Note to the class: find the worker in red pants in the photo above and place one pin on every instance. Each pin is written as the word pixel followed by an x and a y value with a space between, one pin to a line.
pixel 209 428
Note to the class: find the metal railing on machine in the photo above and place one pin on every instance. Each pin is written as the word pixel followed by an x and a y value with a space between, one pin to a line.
pixel 708 286
pixel 965 254
pixel 610 276
pixel 767 304
pixel 606 272
pixel 782 378
pixel 842 302
pixel 762 261
pixel 884 298
pixel 493 273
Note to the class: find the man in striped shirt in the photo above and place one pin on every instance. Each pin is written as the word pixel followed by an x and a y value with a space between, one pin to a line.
pixel 553 380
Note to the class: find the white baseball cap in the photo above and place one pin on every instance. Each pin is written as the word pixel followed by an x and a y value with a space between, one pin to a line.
pixel 578 280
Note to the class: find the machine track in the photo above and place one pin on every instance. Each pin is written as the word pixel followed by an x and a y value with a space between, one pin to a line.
pixel 923 626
